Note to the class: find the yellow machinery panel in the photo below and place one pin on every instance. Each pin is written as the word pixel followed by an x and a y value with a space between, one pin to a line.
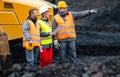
pixel 14 12
pixel 9 16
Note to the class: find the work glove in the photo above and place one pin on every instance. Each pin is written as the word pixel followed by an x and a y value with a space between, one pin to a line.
pixel 41 49
pixel 56 44
pixel 93 10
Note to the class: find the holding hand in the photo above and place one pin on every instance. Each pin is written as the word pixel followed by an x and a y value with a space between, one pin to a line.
pixel 51 34
pixel 41 49
pixel 56 44
pixel 30 43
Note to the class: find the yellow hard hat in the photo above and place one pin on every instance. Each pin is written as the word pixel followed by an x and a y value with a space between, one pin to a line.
pixel 28 47
pixel 62 4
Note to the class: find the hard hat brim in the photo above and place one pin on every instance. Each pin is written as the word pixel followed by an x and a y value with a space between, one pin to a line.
pixel 63 6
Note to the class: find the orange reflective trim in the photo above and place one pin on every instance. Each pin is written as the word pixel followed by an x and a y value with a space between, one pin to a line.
pixel 34 35
pixel 31 40
pixel 66 33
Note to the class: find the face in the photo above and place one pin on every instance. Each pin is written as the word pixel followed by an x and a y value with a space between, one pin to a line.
pixel 46 14
pixel 35 14
pixel 63 10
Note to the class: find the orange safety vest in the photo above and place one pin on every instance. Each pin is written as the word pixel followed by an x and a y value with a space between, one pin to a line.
pixel 68 27
pixel 34 34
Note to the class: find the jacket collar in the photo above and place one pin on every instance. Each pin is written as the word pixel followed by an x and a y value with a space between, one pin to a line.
pixel 32 19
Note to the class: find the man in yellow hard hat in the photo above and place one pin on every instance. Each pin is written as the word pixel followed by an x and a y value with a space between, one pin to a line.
pixel 31 38
pixel 66 36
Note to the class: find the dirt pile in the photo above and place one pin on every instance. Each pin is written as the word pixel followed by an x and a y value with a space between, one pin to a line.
pixel 110 17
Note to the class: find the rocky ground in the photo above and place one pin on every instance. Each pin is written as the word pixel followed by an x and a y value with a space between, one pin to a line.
pixel 87 66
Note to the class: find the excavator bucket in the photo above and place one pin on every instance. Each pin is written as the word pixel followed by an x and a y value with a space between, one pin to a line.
pixel 4 48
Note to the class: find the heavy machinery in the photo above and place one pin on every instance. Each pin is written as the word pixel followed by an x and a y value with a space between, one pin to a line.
pixel 12 15
pixel 14 12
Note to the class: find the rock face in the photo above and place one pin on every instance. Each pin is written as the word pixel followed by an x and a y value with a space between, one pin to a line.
pixel 104 28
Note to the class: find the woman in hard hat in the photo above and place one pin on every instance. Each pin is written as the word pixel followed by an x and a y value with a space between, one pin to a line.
pixel 46 37
pixel 67 35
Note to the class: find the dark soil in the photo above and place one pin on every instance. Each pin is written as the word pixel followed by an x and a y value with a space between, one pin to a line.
pixel 86 66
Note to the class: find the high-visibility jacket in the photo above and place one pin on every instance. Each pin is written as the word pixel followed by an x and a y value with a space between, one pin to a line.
pixel 34 34
pixel 45 28
pixel 68 27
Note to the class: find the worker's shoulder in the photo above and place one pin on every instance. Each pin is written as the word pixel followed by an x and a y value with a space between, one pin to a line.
pixel 55 16
pixel 26 22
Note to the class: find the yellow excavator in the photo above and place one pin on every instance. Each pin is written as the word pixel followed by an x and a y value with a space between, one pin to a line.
pixel 12 15
pixel 14 12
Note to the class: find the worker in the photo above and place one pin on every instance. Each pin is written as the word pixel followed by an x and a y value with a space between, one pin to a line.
pixel 32 38
pixel 46 37
pixel 66 36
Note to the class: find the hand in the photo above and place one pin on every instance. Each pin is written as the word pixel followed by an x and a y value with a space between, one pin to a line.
pixel 50 33
pixel 56 44
pixel 30 43
pixel 41 49
pixel 93 11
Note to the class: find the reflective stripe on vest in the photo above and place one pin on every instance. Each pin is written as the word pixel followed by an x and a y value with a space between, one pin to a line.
pixel 45 38
pixel 68 27
pixel 34 34
pixel 45 28
pixel 31 40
